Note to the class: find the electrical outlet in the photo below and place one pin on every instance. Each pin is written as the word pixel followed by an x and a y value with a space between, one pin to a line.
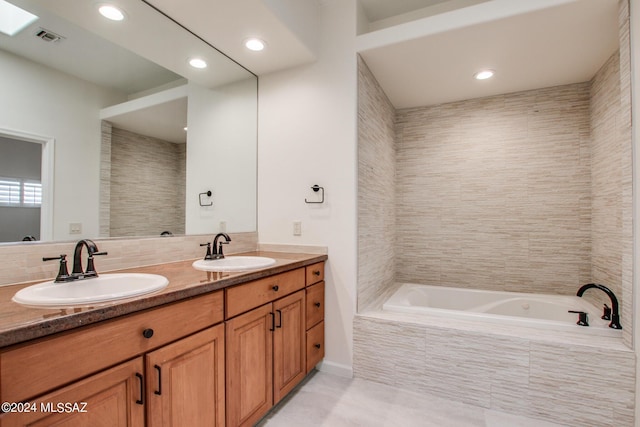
pixel 75 228
pixel 223 226
pixel 297 228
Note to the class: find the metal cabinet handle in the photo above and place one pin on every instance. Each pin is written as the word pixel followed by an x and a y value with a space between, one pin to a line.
pixel 279 325
pixel 275 288
pixel 159 390
pixel 273 322
pixel 316 272
pixel 317 345
pixel 141 379
pixel 317 304
pixel 147 333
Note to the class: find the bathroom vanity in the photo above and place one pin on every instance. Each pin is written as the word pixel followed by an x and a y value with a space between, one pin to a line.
pixel 210 349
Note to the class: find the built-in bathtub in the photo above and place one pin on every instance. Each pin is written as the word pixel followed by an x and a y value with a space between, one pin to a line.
pixel 532 310
pixel 511 352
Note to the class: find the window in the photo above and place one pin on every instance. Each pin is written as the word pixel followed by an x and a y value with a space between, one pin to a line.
pixel 17 192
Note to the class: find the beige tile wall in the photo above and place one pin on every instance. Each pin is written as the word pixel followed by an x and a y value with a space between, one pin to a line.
pixel 376 190
pixel 626 154
pixel 495 193
pixel 611 207
pixel 147 175
pixel 571 380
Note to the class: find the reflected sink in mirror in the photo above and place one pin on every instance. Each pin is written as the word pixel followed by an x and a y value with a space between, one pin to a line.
pixel 80 293
pixel 233 263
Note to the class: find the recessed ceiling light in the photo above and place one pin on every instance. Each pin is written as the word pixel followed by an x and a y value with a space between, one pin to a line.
pixel 255 44
pixel 13 19
pixel 484 74
pixel 111 12
pixel 198 63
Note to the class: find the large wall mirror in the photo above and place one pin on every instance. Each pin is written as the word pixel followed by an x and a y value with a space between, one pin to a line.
pixel 127 138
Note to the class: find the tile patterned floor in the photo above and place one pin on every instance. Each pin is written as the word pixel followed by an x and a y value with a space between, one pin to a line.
pixel 331 401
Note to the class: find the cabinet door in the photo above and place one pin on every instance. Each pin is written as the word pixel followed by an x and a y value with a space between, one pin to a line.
pixel 112 398
pixel 288 344
pixel 185 381
pixel 249 366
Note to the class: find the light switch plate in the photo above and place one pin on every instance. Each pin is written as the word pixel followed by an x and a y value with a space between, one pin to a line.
pixel 297 228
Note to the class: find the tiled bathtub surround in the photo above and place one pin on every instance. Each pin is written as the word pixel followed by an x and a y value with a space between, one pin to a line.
pixel 495 193
pixel 565 379
pixel 528 192
pixel 519 192
pixel 376 190
pixel 23 262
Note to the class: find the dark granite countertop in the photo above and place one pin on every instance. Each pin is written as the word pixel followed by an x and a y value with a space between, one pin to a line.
pixel 19 323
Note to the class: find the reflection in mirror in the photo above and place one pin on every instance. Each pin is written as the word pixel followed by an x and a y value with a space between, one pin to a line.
pixel 20 189
pixel 124 165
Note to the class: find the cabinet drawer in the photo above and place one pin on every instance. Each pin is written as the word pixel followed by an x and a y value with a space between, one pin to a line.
pixel 314 273
pixel 242 298
pixel 34 368
pixel 315 346
pixel 315 304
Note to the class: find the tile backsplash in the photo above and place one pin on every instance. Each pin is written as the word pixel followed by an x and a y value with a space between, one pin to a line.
pixel 22 262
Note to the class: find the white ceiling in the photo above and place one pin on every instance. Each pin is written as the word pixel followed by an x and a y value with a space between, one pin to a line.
pixel 564 43
pixel 376 10
pixel 420 59
pixel 434 47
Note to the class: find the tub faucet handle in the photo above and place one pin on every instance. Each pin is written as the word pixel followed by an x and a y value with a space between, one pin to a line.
pixel 606 313
pixel 582 318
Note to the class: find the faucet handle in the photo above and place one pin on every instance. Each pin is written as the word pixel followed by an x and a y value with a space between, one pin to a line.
pixel 606 313
pixel 208 255
pixel 582 318
pixel 91 270
pixel 63 273
pixel 220 253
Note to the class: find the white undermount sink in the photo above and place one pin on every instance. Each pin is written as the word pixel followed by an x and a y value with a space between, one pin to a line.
pixel 233 263
pixel 79 293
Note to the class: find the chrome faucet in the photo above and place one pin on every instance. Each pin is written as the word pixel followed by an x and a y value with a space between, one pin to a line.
pixel 92 250
pixel 615 314
pixel 217 248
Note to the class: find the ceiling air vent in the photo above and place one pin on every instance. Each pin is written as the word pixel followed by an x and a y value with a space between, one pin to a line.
pixel 48 36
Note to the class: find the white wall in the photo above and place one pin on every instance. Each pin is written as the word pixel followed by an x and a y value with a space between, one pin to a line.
pixel 307 130
pixel 221 157
pixel 41 101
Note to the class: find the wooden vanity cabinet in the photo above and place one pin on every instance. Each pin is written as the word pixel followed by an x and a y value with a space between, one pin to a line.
pixel 110 398
pixel 188 372
pixel 185 381
pixel 314 315
pixel 266 356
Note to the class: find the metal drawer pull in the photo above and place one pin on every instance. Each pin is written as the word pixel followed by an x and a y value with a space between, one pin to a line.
pixel 275 288
pixel 317 345
pixel 279 325
pixel 316 272
pixel 141 400
pixel 147 333
pixel 159 390
pixel 273 322
pixel 317 304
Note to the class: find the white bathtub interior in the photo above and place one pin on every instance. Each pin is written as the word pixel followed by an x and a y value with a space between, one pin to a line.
pixel 526 309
